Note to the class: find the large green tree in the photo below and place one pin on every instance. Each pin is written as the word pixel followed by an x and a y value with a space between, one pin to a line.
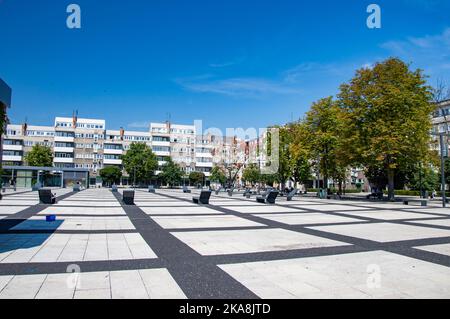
pixel 323 124
pixel 251 175
pixel 111 174
pixel 196 178
pixel 171 174
pixel 218 175
pixel 300 159
pixel 388 117
pixel 140 163
pixel 39 156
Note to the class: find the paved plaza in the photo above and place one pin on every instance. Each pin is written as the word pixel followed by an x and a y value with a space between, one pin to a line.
pixel 167 247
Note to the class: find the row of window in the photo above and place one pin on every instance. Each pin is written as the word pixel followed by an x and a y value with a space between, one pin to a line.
pixel 80 125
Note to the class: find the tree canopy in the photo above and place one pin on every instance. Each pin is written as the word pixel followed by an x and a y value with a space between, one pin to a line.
pixel 387 112
pixel 140 163
pixel 171 173
pixel 196 178
pixel 218 175
pixel 40 156
pixel 111 174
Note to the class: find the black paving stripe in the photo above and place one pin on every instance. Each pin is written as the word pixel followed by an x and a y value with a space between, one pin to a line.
pixel 15 219
pixel 358 242
pixel 285 254
pixel 198 278
pixel 85 266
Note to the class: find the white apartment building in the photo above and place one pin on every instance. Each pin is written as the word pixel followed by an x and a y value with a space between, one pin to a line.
pixel 88 144
pixel 441 124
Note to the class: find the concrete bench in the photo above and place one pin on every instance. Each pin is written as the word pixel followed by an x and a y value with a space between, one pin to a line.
pixel 270 198
pixel 203 198
pixel 128 197
pixel 47 197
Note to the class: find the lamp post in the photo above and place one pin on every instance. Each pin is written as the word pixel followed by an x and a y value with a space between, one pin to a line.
pixel 134 177
pixel 444 154
pixel 444 199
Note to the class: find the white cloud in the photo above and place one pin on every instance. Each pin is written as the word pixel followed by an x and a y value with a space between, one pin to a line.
pixel 430 52
pixel 244 87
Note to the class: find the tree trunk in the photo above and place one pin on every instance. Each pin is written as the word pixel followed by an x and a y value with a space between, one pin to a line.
pixel 391 193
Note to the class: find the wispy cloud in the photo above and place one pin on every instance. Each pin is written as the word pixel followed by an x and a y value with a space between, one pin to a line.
pixel 304 71
pixel 243 87
pixel 431 52
pixel 227 63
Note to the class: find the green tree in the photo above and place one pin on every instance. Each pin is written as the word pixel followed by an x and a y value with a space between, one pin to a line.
pixel 323 123
pixel 387 111
pixel 140 162
pixel 300 159
pixel 171 174
pixel 424 178
pixel 218 175
pixel 39 156
pixel 251 175
pixel 111 174
pixel 196 178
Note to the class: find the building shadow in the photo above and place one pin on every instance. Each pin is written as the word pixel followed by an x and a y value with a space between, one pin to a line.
pixel 25 234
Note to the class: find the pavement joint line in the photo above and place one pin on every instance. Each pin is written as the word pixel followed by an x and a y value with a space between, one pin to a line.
pixel 17 269
pixel 197 278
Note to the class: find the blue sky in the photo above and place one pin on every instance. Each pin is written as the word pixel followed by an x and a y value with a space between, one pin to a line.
pixel 233 63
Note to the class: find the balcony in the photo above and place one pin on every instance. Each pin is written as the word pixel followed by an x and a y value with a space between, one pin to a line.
pixel 204 164
pixel 13 147
pixel 64 149
pixel 203 155
pixel 65 160
pixel 159 153
pixel 10 158
pixel 161 143
pixel 113 151
pixel 67 139
pixel 112 161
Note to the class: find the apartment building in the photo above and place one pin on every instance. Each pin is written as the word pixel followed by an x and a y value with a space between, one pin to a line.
pixel 441 124
pixel 81 143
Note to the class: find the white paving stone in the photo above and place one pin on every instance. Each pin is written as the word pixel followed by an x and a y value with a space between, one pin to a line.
pixel 344 276
pixel 56 286
pixel 160 284
pixel 203 222
pixel 385 232
pixel 23 287
pixel 127 285
pixel 308 218
pixel 248 241
pixel 388 214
